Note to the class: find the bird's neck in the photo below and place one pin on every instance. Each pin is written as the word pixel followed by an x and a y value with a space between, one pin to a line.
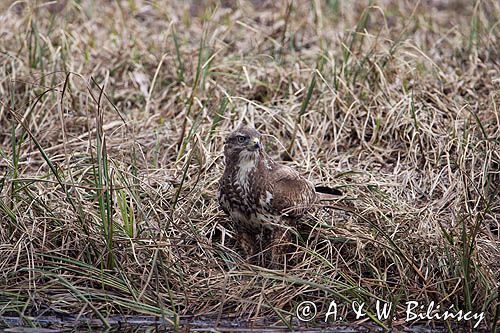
pixel 248 161
pixel 243 167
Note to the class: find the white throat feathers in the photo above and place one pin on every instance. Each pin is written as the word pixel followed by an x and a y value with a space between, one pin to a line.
pixel 247 163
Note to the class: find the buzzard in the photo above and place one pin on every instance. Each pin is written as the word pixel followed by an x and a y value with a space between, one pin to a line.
pixel 260 195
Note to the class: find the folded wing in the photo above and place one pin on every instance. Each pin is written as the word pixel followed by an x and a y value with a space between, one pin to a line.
pixel 292 194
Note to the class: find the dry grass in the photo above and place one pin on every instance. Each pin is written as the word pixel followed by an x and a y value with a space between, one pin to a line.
pixel 112 119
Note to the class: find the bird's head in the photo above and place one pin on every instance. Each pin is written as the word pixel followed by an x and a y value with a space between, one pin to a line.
pixel 243 142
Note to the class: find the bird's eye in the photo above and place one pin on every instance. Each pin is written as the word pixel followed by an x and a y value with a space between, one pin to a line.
pixel 240 138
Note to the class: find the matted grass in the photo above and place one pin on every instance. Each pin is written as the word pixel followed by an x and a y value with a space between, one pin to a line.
pixel 112 120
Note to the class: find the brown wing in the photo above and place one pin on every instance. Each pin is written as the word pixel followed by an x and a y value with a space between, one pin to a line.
pixel 291 193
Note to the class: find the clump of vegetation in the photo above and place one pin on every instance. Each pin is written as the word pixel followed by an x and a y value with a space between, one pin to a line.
pixel 112 120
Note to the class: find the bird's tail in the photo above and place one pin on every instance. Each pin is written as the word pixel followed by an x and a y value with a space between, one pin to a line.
pixel 328 190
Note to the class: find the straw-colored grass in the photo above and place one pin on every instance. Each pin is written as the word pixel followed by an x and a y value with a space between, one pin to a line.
pixel 112 120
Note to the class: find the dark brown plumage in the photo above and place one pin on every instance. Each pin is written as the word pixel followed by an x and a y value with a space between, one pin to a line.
pixel 259 194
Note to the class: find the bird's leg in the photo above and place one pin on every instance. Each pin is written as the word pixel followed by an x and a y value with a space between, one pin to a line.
pixel 280 240
pixel 260 244
pixel 247 244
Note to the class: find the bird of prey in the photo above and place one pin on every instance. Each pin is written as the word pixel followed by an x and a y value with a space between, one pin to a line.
pixel 259 194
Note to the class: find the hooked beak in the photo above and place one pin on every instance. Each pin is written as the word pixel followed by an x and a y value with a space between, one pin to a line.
pixel 254 144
